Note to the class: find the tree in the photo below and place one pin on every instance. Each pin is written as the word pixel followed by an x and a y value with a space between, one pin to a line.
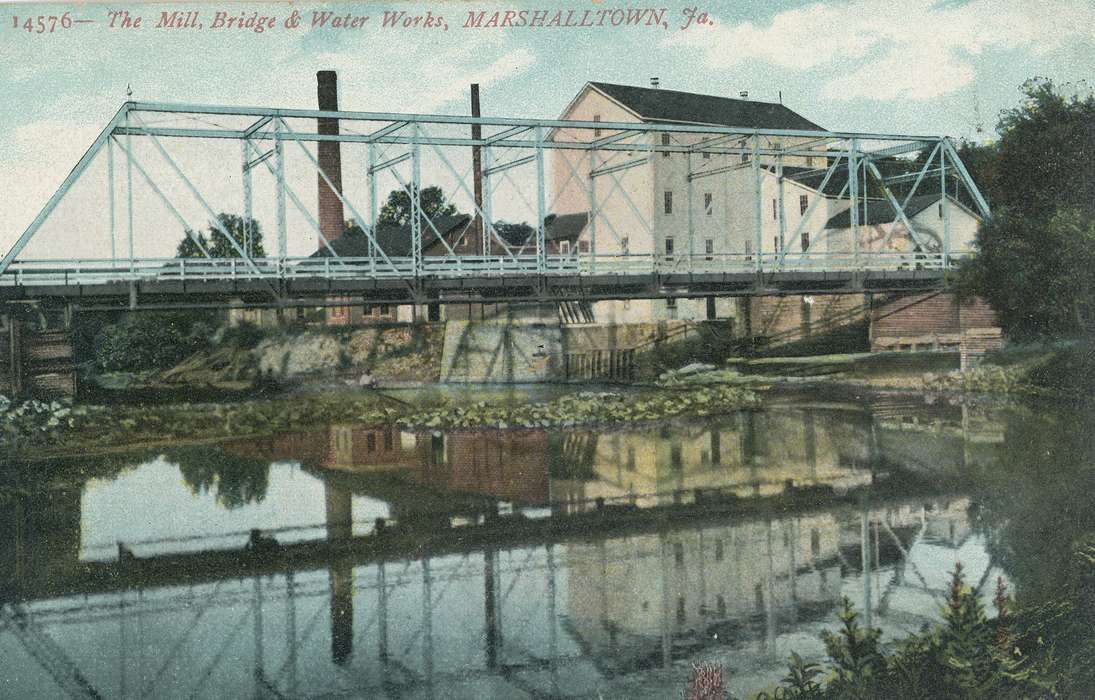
pixel 218 245
pixel 1036 261
pixel 514 234
pixel 397 210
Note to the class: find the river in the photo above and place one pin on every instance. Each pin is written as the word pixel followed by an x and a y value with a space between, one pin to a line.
pixel 524 563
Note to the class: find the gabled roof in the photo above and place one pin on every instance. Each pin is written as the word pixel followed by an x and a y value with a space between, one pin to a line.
pixel 655 104
pixel 394 240
pixel 881 212
pixel 565 227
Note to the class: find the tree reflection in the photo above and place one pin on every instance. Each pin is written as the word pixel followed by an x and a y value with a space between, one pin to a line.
pixel 234 480
pixel 1037 496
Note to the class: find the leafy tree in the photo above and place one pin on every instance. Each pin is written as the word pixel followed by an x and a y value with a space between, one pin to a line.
pixel 397 210
pixel 150 340
pixel 514 234
pixel 218 245
pixel 1035 262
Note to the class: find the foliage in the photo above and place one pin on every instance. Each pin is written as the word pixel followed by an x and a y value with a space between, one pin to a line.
pixel 588 408
pixel 967 656
pixel 35 422
pixel 1036 261
pixel 236 481
pixel 218 245
pixel 514 234
pixel 143 341
pixel 397 210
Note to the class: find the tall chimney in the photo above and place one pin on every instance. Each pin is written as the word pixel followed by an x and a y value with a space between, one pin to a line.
pixel 478 243
pixel 330 159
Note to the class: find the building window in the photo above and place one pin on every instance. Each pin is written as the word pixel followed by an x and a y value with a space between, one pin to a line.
pixel 803 203
pixel 720 605
pixel 744 157
pixel 678 553
pixel 815 542
pixel 775 243
pixel 385 310
pixel 676 459
pixel 749 250
pixel 668 202
pixel 940 210
pixel 810 161
pixel 665 142
pixel 583 246
pixel 681 618
pixel 668 247
pixel 564 247
pixel 709 248
pixel 370 442
pixel 706 155
pixel 625 243
pixel 708 202
pixel 630 453
pixel 597 131
pixel 775 210
pixel 718 550
pixel 671 303
pixel 805 242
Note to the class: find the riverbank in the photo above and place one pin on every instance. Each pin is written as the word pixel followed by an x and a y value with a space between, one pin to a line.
pixel 51 429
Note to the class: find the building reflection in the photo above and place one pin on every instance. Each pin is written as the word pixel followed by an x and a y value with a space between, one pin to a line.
pixel 536 619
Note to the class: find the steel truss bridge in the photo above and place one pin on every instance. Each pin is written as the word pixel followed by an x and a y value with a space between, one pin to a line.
pixel 159 172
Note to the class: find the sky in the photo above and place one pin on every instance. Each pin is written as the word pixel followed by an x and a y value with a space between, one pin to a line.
pixel 913 66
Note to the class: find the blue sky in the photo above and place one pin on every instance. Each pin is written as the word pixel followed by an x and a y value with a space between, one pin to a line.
pixel 914 66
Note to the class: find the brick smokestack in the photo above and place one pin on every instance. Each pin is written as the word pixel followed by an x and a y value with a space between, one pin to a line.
pixel 331 218
pixel 478 244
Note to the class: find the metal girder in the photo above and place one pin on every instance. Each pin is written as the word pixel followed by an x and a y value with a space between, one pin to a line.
pixel 511 164
pixel 391 162
pixel 609 169
pixel 813 205
pixel 188 132
pixel 952 153
pixel 214 221
pixel 58 195
pixel 366 228
pixel 167 202
pixel 254 128
pixel 898 209
pixel 507 121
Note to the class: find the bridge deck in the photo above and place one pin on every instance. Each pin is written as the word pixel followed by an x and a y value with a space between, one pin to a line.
pixel 460 279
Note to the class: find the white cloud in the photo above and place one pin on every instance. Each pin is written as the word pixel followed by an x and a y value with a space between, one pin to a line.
pixel 880 49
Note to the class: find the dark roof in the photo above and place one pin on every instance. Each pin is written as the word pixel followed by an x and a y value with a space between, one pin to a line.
pixel 565 227
pixel 395 241
pixel 655 104
pixel 881 212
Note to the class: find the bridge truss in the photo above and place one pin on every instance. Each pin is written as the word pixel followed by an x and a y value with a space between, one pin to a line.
pixel 160 172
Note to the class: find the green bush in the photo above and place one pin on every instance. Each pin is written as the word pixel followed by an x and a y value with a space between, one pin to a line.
pixel 145 341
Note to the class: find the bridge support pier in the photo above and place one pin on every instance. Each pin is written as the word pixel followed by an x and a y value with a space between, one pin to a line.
pixel 37 356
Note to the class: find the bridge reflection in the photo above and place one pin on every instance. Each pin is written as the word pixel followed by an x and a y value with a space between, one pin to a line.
pixel 567 615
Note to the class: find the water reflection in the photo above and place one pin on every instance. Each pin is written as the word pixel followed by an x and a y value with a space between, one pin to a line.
pixel 620 608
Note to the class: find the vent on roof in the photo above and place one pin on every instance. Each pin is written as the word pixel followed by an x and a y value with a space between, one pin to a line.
pixel 655 83
pixel 744 94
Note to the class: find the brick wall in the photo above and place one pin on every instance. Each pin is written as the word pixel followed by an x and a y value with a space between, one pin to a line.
pixel 927 321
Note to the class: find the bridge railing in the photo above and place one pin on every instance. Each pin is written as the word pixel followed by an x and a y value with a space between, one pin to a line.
pixel 90 272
